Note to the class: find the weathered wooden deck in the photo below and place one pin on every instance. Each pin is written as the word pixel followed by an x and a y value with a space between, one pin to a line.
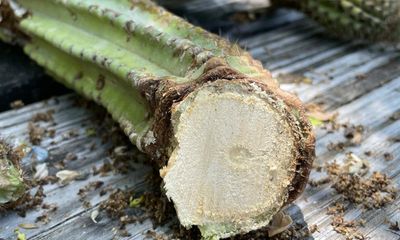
pixel 360 82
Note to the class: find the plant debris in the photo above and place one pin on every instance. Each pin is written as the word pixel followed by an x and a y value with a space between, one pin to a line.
pixel 43 116
pixel 156 236
pixel 394 226
pixel 50 207
pixel 44 218
pixel 66 176
pixel 28 201
pixel 28 226
pixel 374 191
pixel 36 133
pixel 347 228
pixel 354 133
pixel 353 136
pixel 117 203
pixel 92 186
pixel 352 181
pixel 17 104
pixel 319 182
pixel 388 156
pixel 19 234
pixel 317 116
pixel 93 215
pixel 136 202
pixel 341 226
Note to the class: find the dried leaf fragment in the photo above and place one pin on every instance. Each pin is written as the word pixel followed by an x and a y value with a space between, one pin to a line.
pixel 136 202
pixel 279 223
pixel 67 176
pixel 94 215
pixel 20 235
pixel 28 226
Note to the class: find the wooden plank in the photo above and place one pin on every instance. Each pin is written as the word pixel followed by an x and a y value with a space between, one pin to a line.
pixel 68 117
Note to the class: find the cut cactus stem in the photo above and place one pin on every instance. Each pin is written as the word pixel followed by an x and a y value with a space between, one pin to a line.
pixel 373 20
pixel 233 148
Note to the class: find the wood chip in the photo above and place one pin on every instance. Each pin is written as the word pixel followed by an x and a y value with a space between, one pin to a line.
pixel 94 215
pixel 41 171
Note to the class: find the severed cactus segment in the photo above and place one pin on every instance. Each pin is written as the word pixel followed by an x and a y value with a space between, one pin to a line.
pixel 232 147
pixel 12 185
pixel 376 20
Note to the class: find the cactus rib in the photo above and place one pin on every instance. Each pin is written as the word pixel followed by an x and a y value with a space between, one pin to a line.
pixel 213 120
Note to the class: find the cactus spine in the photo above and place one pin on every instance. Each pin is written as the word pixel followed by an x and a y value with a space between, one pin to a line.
pixel 232 147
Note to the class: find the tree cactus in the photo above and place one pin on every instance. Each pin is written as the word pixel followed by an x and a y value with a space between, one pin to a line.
pixel 233 149
pixel 369 19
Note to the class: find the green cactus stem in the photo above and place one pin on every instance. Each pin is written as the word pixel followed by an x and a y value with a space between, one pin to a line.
pixel 233 149
pixel 374 20
pixel 12 185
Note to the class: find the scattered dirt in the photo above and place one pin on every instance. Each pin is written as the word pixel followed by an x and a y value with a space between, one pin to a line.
pixel 117 203
pixel 353 136
pixel 150 234
pixel 352 182
pixel 394 226
pixel 296 231
pixel 388 156
pixel 372 192
pixel 319 182
pixel 342 226
pixel 368 153
pixel 28 202
pixel 394 139
pixel 38 132
pixel 347 228
pixel 83 192
pixel 353 133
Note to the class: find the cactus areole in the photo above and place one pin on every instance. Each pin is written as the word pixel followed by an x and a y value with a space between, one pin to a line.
pixel 233 149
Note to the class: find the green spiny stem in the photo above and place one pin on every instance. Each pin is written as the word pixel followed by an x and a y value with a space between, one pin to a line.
pixel 210 116
pixel 12 184
pixel 375 20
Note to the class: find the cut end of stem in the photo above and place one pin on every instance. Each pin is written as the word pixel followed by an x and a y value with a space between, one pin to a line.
pixel 233 161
